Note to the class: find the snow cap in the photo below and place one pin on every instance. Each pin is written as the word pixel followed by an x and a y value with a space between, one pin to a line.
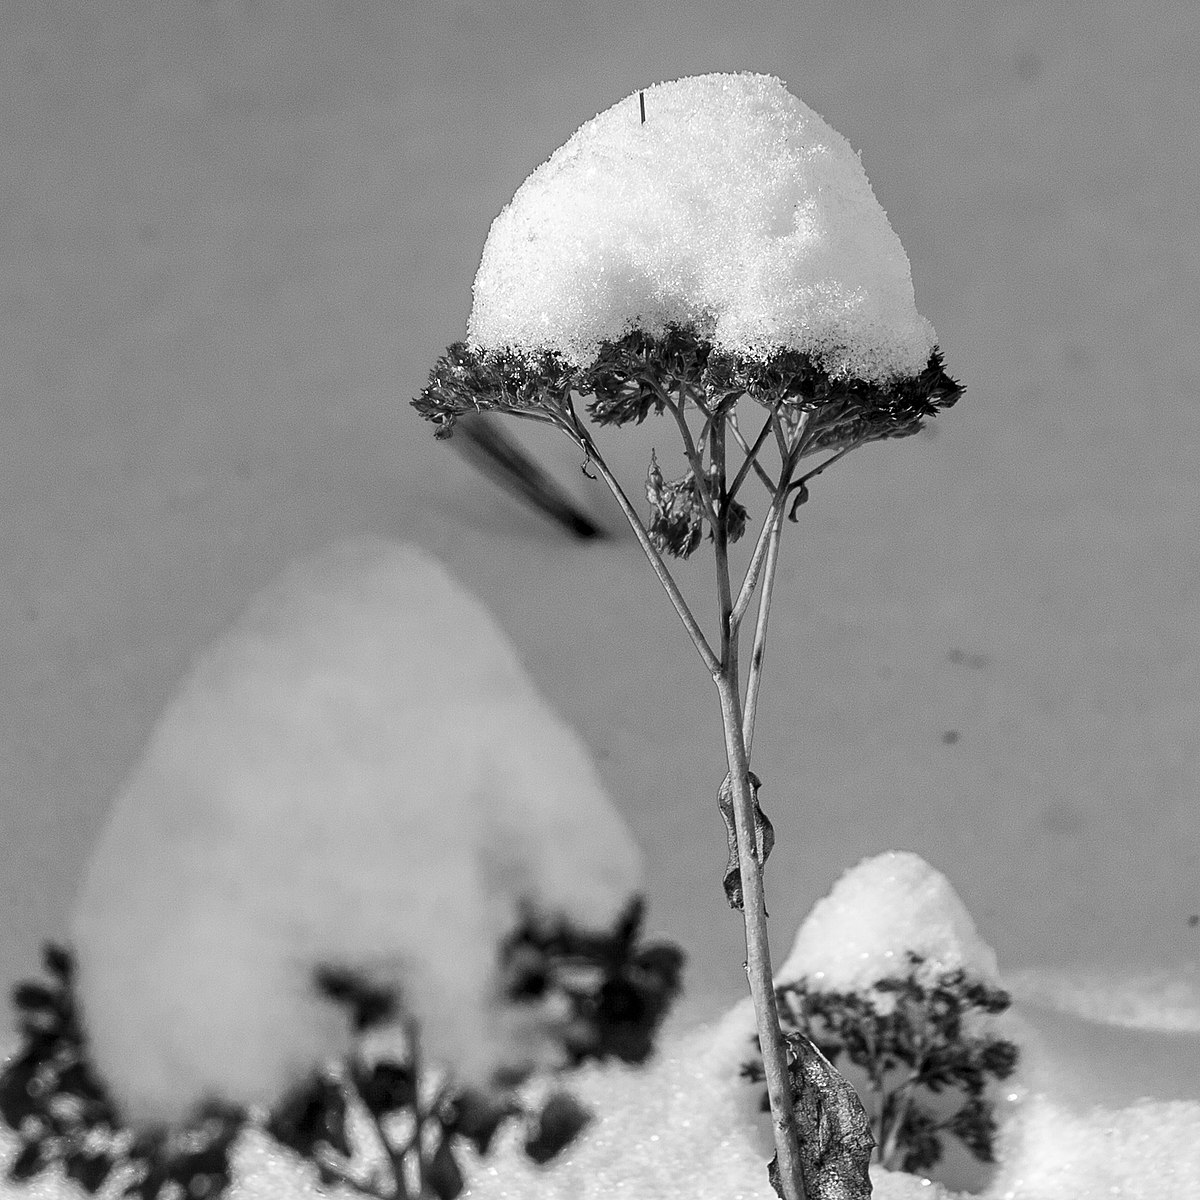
pixel 734 209
pixel 878 911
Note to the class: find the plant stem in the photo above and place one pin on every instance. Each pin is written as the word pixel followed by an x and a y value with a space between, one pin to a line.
pixel 771 533
pixel 799 483
pixel 754 909
pixel 720 534
pixel 751 453
pixel 904 1092
pixel 656 562
pixel 758 954
pixel 724 671
pixel 757 655
pixel 695 461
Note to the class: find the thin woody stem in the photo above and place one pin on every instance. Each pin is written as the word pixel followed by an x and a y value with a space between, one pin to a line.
pixel 772 530
pixel 753 571
pixel 887 1151
pixel 754 678
pixel 694 456
pixel 758 954
pixel 750 582
pixel 583 439
pixel 751 453
pixel 729 641
pixel 799 483
pixel 750 863
pixel 525 414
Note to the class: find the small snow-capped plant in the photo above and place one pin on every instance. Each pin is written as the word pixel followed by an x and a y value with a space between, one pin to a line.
pixel 889 974
pixel 918 1039
pixel 708 252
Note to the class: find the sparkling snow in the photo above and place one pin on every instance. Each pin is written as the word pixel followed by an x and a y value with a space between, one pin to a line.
pixel 734 208
pixel 359 774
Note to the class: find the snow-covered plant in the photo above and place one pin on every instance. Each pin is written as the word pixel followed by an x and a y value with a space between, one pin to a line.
pixel 720 263
pixel 394 1128
pixel 361 868
pixel 918 1040
pixel 53 1099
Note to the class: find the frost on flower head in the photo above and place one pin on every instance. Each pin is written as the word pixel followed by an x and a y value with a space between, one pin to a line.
pixel 733 210
pixel 887 907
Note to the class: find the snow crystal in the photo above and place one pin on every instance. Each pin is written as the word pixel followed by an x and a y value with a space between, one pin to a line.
pixel 359 774
pixel 882 908
pixel 733 208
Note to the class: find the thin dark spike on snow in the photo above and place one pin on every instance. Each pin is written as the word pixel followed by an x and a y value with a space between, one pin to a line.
pixel 642 103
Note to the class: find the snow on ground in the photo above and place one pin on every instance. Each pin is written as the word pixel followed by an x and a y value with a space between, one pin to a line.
pixel 688 1127
pixel 685 1128
pixel 719 202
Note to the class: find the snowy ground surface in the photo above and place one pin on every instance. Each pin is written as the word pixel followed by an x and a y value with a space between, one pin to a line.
pixel 235 236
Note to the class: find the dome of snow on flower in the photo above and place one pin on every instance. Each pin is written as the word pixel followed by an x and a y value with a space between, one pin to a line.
pixel 729 243
pixel 733 210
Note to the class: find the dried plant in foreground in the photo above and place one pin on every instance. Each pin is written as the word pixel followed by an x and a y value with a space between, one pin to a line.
pixel 743 423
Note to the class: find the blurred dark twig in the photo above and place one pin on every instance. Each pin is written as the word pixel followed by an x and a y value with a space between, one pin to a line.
pixel 488 447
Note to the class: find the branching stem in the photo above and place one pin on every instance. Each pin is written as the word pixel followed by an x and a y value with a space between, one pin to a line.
pixel 584 440
pixel 738 719
pixel 750 853
pixel 751 453
pixel 799 483
pixel 757 655
pixel 887 1151
pixel 694 457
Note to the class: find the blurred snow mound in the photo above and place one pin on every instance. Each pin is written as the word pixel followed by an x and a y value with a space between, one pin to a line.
pixel 359 774
pixel 1164 1000
pixel 734 208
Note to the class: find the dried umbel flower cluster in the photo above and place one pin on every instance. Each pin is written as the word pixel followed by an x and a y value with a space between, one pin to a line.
pixel 739 419
pixel 643 374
